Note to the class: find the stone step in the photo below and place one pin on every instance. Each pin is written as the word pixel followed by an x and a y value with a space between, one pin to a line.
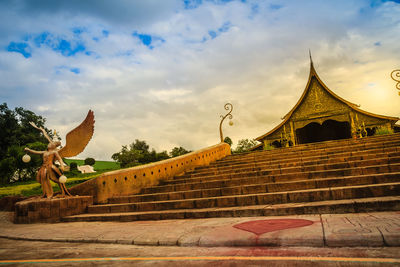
pixel 388 203
pixel 298 161
pixel 219 182
pixel 324 171
pixel 255 188
pixel 355 161
pixel 299 158
pixel 290 154
pixel 323 145
pixel 307 195
pixel 328 177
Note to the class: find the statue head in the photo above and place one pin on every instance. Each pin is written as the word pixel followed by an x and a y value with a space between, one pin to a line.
pixel 54 145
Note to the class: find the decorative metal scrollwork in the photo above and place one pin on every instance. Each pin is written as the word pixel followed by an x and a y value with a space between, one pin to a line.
pixel 229 107
pixel 396 77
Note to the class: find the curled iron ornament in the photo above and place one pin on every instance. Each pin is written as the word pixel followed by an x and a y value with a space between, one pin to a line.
pixel 229 107
pixel 396 77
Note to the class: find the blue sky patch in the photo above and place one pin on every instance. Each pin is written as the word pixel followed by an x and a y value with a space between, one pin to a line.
pixel 65 47
pixel 225 27
pixel 62 69
pixel 147 39
pixel 215 33
pixel 383 1
pixel 192 4
pixel 375 3
pixel 255 8
pixel 78 30
pixel 104 34
pixel 275 6
pixel 221 1
pixel 75 70
pixel 41 39
pixel 125 53
pixel 212 34
pixel 22 48
pixel 377 44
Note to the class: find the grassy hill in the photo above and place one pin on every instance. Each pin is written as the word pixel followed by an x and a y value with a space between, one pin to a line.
pixel 98 166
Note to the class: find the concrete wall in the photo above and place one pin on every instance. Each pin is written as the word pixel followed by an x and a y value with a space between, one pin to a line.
pixel 43 210
pixel 132 180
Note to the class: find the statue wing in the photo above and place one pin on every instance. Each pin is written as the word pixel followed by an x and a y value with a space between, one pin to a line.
pixel 78 138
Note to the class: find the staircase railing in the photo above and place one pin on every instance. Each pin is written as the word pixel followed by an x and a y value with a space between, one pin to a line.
pixel 132 180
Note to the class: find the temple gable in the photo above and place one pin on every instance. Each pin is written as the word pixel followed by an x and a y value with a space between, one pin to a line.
pixel 317 105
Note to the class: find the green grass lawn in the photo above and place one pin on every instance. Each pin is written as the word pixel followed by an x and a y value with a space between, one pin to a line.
pixel 33 188
pixel 98 166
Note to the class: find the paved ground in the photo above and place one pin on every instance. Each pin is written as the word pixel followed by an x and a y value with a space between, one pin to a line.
pixel 27 253
pixel 367 239
pixel 332 230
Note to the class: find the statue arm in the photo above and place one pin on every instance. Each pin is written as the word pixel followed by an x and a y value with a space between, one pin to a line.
pixel 42 130
pixel 33 151
pixel 60 161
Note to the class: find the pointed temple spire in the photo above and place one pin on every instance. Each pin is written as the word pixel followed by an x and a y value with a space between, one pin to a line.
pixel 311 62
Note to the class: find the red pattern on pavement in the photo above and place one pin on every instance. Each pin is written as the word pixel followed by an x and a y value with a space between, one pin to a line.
pixel 265 226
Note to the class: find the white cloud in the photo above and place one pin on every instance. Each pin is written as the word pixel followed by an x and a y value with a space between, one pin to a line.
pixel 169 96
pixel 173 94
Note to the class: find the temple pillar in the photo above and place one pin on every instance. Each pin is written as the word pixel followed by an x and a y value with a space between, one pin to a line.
pixel 292 133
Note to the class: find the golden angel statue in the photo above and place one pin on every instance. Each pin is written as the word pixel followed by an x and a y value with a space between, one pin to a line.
pixel 76 141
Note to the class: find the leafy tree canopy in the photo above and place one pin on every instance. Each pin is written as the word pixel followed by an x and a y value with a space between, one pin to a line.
pixel 244 145
pixel 138 153
pixel 90 161
pixel 16 134
pixel 228 140
pixel 178 151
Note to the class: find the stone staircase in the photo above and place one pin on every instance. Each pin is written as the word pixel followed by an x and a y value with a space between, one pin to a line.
pixel 328 177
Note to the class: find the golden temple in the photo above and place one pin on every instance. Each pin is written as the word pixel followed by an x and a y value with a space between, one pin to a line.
pixel 321 115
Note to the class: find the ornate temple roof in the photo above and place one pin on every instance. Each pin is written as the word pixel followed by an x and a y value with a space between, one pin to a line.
pixel 313 74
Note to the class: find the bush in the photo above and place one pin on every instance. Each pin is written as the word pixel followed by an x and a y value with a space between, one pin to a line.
pixel 73 166
pixel 178 151
pixel 381 130
pixel 90 161
pixel 244 145
pixel 228 140
pixel 268 147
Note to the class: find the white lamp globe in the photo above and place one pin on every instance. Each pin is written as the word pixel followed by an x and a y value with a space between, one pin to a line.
pixel 26 158
pixel 62 179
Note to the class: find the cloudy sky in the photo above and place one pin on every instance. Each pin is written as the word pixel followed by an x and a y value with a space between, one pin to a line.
pixel 162 70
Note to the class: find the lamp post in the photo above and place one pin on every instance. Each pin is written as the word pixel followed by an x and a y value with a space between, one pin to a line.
pixel 396 77
pixel 229 107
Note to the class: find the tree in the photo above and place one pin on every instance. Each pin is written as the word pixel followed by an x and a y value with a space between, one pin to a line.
pixel 162 155
pixel 90 161
pixel 228 140
pixel 244 145
pixel 73 166
pixel 138 153
pixel 16 133
pixel 127 157
pixel 178 151
pixel 140 146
